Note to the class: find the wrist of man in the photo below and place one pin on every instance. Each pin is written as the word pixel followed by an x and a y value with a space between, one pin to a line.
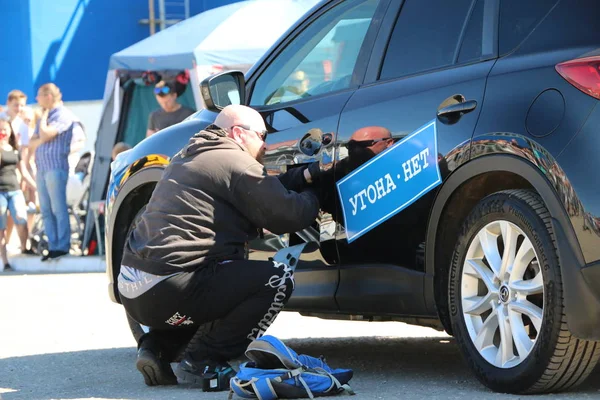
pixel 307 176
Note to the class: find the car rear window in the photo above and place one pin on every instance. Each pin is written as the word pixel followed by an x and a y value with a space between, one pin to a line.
pixel 518 19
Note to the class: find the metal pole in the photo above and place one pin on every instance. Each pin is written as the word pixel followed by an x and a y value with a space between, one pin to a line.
pixel 151 17
pixel 187 8
pixel 161 13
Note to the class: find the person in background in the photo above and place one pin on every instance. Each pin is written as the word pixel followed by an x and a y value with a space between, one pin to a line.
pixel 119 148
pixel 30 117
pixel 11 196
pixel 51 142
pixel 170 112
pixel 16 103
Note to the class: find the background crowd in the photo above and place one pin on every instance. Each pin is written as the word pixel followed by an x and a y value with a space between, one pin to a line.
pixel 41 165
pixel 39 148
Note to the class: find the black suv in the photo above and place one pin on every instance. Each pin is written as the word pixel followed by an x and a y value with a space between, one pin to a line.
pixel 504 254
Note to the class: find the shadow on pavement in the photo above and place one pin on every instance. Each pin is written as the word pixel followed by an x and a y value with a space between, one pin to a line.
pixel 408 368
pixel 45 272
pixel 425 366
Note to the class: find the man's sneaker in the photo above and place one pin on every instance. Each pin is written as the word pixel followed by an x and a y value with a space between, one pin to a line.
pixel 212 376
pixel 46 257
pixel 154 370
pixel 56 254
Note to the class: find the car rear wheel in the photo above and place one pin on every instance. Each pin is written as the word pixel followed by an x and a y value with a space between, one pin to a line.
pixel 506 299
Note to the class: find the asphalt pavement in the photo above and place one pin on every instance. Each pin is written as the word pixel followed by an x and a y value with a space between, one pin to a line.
pixel 62 338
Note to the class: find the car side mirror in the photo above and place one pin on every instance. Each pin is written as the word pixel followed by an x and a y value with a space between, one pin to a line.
pixel 312 142
pixel 223 89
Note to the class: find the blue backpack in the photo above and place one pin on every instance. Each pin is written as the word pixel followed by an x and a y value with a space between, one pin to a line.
pixel 278 372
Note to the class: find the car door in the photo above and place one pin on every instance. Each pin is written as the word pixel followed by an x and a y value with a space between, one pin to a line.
pixel 433 58
pixel 300 90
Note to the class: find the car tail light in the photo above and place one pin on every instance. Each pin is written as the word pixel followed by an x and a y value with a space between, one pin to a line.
pixel 583 73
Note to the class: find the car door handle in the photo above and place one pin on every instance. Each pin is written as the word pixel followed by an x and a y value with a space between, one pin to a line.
pixel 452 113
pixel 460 108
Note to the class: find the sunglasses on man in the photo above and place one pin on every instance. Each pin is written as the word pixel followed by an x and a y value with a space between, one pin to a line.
pixel 162 91
pixel 366 143
pixel 262 134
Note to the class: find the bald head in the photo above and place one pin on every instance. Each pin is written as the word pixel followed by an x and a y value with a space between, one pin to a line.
pixel 245 126
pixel 371 133
pixel 373 138
pixel 233 115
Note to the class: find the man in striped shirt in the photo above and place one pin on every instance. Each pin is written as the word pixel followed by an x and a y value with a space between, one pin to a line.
pixel 52 143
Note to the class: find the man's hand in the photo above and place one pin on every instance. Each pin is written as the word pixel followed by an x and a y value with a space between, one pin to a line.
pixel 312 174
pixel 46 132
pixel 297 179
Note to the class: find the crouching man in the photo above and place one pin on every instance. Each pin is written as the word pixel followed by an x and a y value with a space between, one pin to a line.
pixel 184 272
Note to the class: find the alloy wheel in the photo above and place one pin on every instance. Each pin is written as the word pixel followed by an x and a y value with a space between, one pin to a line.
pixel 502 294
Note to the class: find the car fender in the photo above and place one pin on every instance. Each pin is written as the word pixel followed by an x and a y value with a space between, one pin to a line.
pixel 517 154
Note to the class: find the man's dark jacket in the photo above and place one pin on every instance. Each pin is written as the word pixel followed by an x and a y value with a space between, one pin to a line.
pixel 209 202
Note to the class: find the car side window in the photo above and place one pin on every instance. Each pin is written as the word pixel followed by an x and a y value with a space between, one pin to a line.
pixel 425 36
pixel 518 19
pixel 320 59
pixel 470 48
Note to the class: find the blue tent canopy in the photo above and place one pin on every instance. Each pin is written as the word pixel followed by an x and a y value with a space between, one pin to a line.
pixel 235 34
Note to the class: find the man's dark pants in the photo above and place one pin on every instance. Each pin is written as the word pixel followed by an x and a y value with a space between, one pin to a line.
pixel 241 298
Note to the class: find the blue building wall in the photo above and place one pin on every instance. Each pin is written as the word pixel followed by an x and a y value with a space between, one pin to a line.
pixel 69 42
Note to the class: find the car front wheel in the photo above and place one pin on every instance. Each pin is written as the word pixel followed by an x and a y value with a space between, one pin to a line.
pixel 506 299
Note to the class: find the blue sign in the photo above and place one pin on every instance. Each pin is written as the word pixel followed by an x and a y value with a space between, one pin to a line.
pixel 390 182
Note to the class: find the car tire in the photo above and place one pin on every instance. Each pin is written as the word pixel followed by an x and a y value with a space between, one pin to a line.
pixel 506 299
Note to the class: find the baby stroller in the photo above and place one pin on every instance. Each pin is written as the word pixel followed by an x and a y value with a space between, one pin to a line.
pixel 78 190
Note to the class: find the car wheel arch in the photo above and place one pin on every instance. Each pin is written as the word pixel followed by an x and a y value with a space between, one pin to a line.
pixel 133 195
pixel 465 187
